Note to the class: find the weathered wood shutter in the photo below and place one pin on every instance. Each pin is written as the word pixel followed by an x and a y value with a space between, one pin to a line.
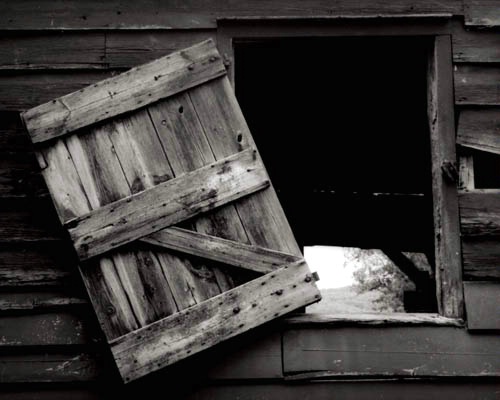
pixel 166 144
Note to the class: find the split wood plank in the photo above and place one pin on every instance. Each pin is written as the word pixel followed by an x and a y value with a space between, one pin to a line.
pixel 219 318
pixel 480 213
pixel 133 217
pixel 136 88
pixel 480 129
pixel 230 252
pixel 446 214
pixel 481 302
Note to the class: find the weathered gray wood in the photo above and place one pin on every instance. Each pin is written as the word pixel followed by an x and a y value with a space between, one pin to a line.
pixel 480 129
pixel 17 301
pixel 407 351
pixel 50 368
pixel 126 49
pixel 481 13
pixel 230 252
pixel 31 51
pixel 136 88
pixel 477 84
pixel 213 321
pixel 227 133
pixel 446 217
pixel 409 319
pixel 350 389
pixel 149 14
pixel 22 90
pixel 474 46
pixel 174 284
pixel 19 177
pixel 46 329
pixel 23 227
pixel 466 172
pixel 480 213
pixel 13 136
pixel 482 300
pixel 133 217
pixel 481 258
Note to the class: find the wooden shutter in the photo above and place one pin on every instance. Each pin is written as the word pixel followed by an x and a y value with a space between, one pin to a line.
pixel 181 237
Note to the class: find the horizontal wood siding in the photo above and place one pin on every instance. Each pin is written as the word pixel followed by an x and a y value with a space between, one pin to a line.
pixel 50 342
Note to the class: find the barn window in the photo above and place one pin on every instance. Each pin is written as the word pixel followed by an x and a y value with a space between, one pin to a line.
pixel 344 124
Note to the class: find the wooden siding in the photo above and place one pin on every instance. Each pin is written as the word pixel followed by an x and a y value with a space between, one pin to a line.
pixel 49 49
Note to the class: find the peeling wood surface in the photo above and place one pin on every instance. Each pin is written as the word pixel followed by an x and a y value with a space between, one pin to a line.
pixel 481 302
pixel 214 320
pixel 477 84
pixel 390 351
pixel 138 87
pixel 480 129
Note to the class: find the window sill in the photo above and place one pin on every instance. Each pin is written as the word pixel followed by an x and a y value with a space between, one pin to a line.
pixel 408 319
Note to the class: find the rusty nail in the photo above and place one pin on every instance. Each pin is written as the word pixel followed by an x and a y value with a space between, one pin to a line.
pixel 279 292
pixel 110 310
pixel 308 278
pixel 236 310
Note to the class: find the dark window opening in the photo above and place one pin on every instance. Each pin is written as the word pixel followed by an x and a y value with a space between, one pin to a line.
pixel 341 124
pixel 486 170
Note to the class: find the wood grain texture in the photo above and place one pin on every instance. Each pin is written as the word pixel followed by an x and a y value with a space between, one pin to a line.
pixel 19 177
pixel 477 84
pixel 133 217
pixel 49 368
pixel 57 328
pixel 446 214
pixel 136 88
pixel 481 13
pixel 213 321
pixel 230 252
pixel 480 129
pixel 480 257
pixel 47 51
pixel 390 351
pixel 473 46
pixel 466 172
pixel 481 303
pixel 346 390
pixel 25 301
pixel 480 213
pixel 150 14
pixel 21 90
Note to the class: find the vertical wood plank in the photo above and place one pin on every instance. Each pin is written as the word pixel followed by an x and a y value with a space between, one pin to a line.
pixel 228 133
pixel 145 164
pixel 466 172
pixel 188 149
pixel 446 217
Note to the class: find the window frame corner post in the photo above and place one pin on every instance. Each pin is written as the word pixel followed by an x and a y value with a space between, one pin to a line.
pixel 441 108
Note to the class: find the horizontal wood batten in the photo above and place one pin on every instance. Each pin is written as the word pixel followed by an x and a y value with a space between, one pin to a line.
pixel 166 204
pixel 25 301
pixel 135 88
pixel 217 319
pixel 230 252
pixel 477 84
pixel 480 129
pixel 482 300
pixel 473 46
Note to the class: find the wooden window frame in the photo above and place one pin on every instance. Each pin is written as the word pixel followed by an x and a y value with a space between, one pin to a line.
pixel 440 104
